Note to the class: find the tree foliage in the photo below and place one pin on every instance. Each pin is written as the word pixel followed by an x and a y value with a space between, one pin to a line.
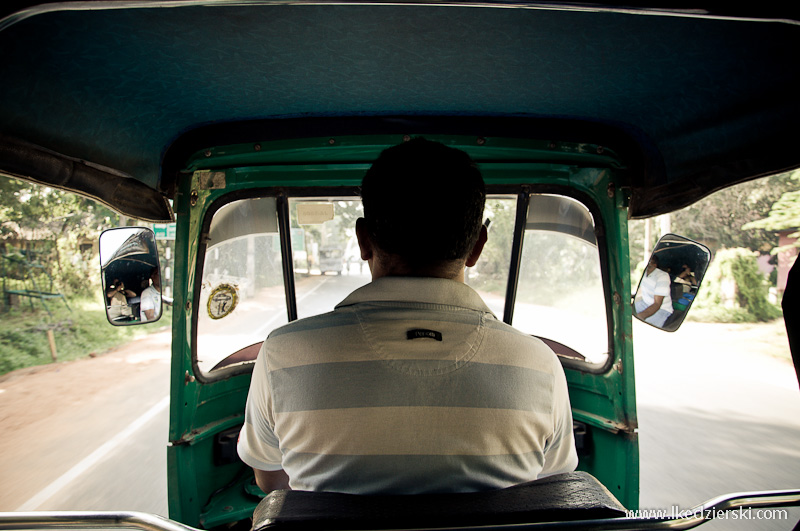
pixel 734 290
pixel 48 226
pixel 784 215
pixel 28 208
pixel 492 268
pixel 718 218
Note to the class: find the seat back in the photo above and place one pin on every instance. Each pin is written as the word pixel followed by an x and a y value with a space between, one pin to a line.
pixel 571 496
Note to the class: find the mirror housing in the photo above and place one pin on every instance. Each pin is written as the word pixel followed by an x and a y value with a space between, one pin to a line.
pixel 130 276
pixel 670 282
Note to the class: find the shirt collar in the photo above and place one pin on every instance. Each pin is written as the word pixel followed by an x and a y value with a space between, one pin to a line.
pixel 420 290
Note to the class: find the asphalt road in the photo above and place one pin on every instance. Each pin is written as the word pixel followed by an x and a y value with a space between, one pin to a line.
pixel 89 434
pixel 717 414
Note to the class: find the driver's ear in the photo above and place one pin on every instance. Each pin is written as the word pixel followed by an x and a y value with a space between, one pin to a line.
pixel 472 259
pixel 364 243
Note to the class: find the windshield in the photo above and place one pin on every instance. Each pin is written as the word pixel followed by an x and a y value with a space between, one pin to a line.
pixel 243 295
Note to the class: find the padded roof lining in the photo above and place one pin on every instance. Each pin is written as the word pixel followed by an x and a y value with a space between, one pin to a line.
pixel 706 102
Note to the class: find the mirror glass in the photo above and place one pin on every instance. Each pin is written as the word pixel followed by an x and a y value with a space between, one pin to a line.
pixel 670 282
pixel 130 275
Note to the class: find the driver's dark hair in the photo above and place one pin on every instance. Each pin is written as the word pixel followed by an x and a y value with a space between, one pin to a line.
pixel 423 202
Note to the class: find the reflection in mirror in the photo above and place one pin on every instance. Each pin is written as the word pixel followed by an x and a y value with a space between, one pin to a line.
pixel 130 275
pixel 670 282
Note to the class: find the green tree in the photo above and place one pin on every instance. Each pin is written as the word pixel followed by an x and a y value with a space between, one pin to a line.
pixel 734 290
pixel 718 218
pixel 52 224
pixel 491 271
pixel 784 215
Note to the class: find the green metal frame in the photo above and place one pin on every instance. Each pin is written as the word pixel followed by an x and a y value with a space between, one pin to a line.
pixel 603 398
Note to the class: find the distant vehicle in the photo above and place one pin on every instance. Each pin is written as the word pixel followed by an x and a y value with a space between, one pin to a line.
pixel 331 259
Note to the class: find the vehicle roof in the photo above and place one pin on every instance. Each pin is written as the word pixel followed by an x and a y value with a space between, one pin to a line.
pixel 106 97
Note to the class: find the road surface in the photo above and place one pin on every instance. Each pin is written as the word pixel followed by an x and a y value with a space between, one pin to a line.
pixel 718 413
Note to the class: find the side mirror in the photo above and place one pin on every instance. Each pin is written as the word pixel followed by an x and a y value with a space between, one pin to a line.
pixel 130 275
pixel 670 282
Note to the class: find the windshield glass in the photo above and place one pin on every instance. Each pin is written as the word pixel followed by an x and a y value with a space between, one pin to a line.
pixel 327 262
pixel 559 295
pixel 243 297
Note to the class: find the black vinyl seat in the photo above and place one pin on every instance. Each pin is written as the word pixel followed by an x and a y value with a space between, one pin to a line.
pixel 572 496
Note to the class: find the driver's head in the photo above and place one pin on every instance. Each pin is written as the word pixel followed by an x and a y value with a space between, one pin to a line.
pixel 423 207
pixel 155 277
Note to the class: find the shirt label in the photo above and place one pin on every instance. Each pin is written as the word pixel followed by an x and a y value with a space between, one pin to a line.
pixel 421 332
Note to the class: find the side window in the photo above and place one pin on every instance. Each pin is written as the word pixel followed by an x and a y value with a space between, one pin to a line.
pixel 560 294
pixel 242 296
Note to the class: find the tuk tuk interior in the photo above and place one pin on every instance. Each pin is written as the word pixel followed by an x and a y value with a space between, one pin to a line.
pixel 229 117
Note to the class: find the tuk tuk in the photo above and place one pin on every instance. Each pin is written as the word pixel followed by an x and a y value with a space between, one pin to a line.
pixel 246 122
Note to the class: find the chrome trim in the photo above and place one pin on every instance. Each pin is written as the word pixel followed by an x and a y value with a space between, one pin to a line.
pixel 150 522
pixel 89 520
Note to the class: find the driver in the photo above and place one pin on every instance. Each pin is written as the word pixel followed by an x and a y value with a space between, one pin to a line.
pixel 653 303
pixel 411 384
pixel 150 307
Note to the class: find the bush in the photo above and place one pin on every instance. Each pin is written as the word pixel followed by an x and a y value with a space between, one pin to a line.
pixel 734 290
pixel 84 331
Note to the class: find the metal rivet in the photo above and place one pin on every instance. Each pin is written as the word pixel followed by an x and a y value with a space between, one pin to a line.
pixel 188 305
pixel 257 147
pixel 331 141
pixel 600 150
pixel 193 198
pixel 611 190
pixel 188 378
pixel 552 145
pixel 406 138
pixel 481 141
pixel 208 153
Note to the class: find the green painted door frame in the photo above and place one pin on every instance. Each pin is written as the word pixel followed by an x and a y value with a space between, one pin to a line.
pixel 204 411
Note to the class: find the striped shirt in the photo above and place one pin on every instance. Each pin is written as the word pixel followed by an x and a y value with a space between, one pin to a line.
pixel 656 284
pixel 410 385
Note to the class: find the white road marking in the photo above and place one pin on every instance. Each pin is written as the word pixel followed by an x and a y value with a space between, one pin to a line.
pixel 268 325
pixel 312 290
pixel 89 461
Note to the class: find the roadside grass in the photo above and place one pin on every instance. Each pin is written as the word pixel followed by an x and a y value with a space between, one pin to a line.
pixel 720 314
pixel 83 332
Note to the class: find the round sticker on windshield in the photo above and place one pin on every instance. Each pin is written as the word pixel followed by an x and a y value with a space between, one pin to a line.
pixel 222 301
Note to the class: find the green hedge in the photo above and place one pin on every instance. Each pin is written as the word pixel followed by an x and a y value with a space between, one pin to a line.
pixel 734 290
